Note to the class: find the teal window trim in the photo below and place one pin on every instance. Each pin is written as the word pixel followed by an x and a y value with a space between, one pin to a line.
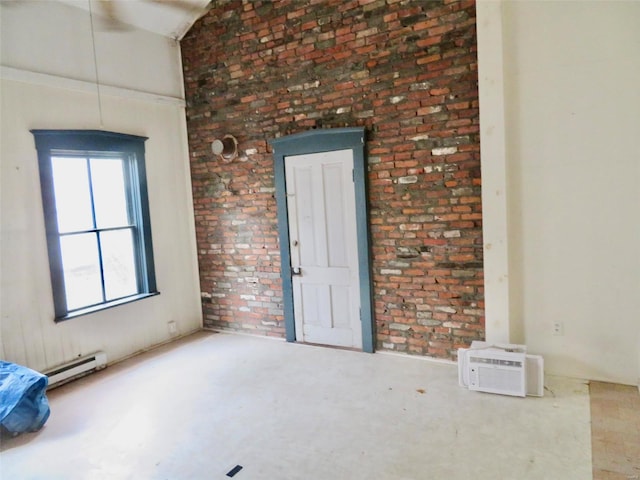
pixel 51 143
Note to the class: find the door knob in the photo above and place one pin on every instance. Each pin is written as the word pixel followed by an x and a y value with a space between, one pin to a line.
pixel 296 271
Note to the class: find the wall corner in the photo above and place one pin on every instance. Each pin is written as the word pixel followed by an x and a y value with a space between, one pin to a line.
pixel 494 170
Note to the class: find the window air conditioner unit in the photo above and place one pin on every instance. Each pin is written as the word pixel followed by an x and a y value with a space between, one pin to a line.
pixel 504 369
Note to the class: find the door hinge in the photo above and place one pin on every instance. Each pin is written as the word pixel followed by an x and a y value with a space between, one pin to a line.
pixel 353 175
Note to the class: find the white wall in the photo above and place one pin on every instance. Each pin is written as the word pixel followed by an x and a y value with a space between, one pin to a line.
pixel 48 37
pixel 571 72
pixel 498 325
pixel 64 98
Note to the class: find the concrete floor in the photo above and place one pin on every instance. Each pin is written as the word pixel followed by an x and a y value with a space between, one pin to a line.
pixel 197 408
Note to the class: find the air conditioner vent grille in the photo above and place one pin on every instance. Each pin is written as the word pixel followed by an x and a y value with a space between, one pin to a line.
pixel 497 361
pixel 507 381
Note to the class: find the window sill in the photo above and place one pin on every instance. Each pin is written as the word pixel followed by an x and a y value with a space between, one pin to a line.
pixel 105 306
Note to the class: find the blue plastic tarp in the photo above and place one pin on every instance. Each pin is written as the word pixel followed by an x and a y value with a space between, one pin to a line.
pixel 23 401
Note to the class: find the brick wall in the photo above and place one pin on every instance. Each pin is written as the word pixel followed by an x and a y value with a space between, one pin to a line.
pixel 407 71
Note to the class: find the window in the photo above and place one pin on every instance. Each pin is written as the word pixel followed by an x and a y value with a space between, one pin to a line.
pixel 96 213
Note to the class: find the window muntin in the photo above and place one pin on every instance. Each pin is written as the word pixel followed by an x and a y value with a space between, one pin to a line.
pixel 96 234
pixel 97 219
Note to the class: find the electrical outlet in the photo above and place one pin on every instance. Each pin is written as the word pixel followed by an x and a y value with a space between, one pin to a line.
pixel 558 328
pixel 173 328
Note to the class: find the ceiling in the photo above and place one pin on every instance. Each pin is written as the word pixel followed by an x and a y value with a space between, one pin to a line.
pixel 170 18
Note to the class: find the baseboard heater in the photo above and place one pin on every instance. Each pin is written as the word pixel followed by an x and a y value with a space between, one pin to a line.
pixel 504 369
pixel 77 368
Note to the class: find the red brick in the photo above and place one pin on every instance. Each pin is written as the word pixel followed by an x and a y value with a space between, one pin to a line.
pixel 240 77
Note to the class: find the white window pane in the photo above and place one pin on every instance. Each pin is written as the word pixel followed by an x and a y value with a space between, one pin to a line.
pixel 73 198
pixel 109 194
pixel 81 270
pixel 118 264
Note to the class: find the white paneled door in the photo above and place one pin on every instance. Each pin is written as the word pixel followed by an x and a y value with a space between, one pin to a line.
pixel 324 248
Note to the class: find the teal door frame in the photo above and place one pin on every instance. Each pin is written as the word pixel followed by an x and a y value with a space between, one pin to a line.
pixel 317 141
